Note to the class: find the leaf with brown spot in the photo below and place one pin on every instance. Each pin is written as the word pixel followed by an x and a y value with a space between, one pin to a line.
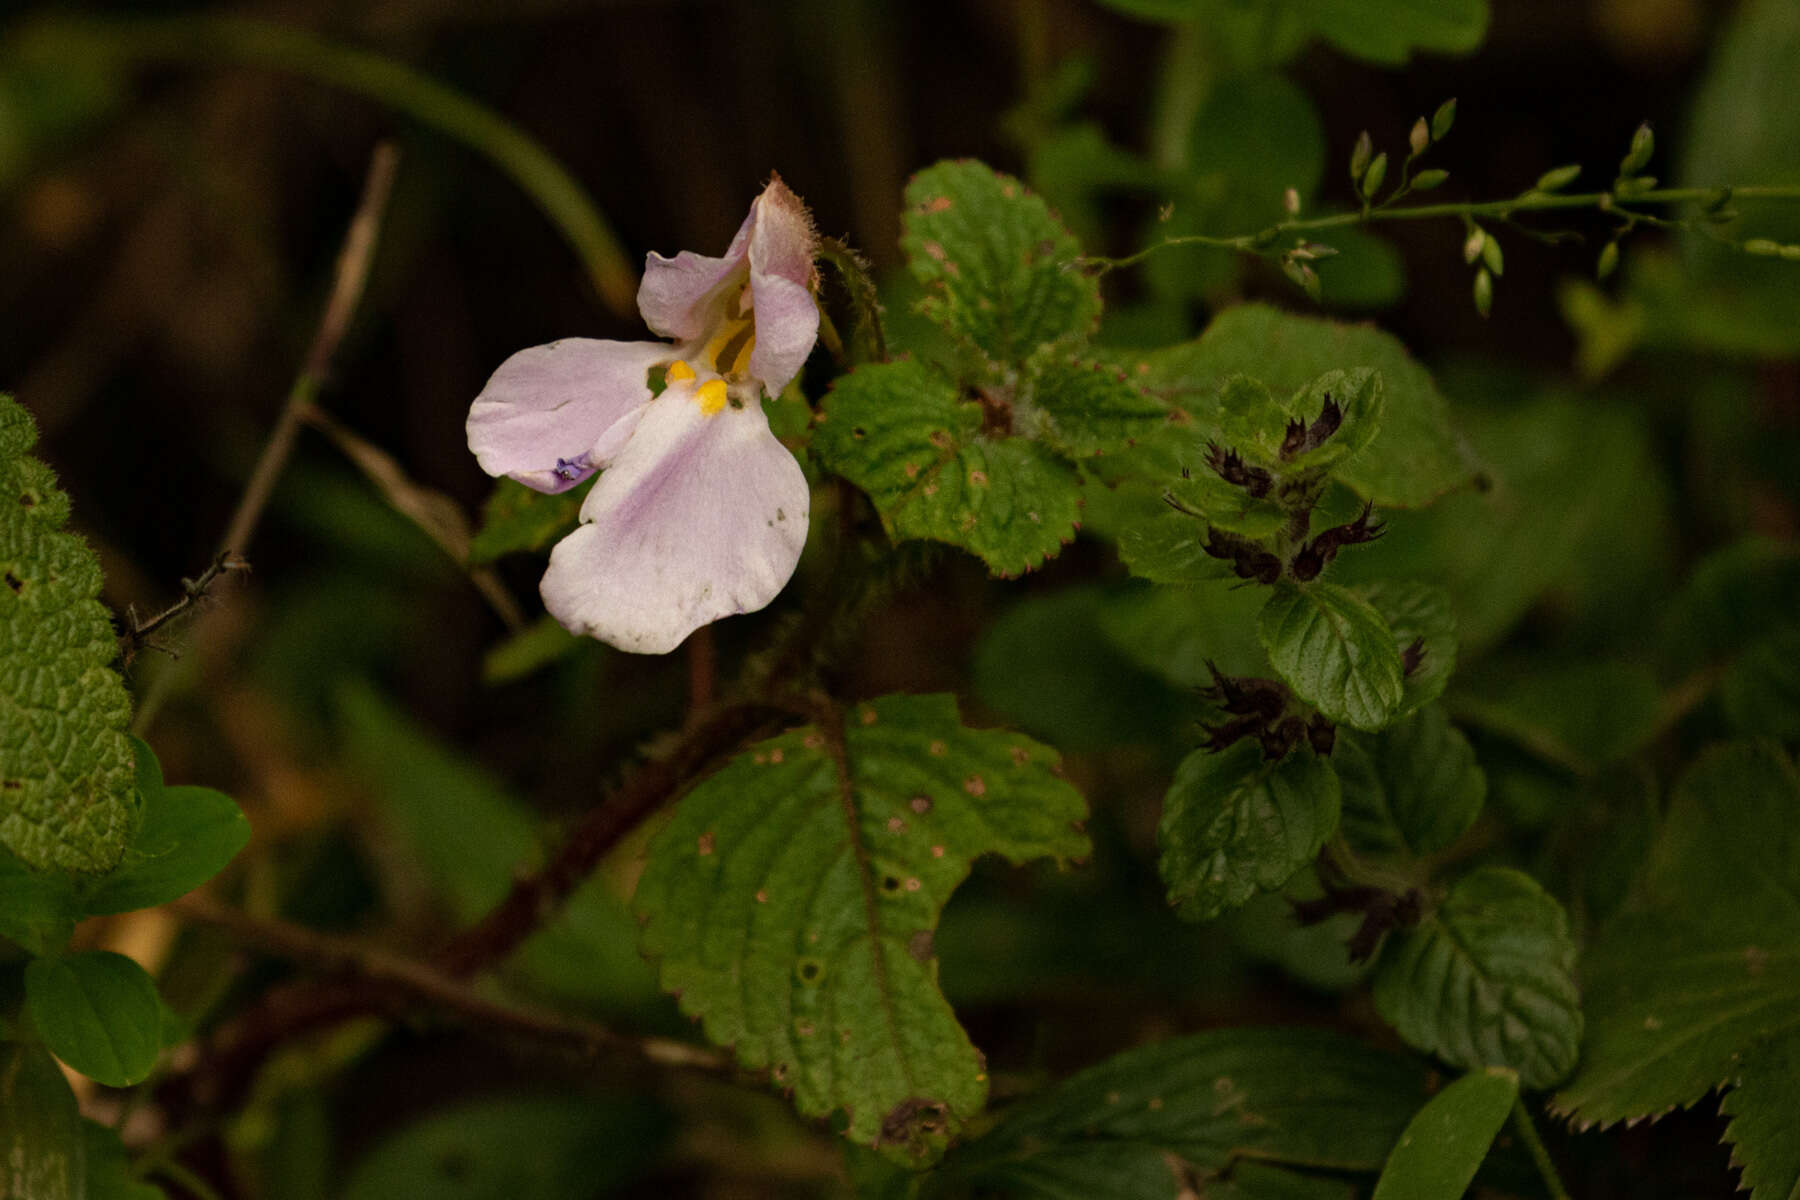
pixel 809 820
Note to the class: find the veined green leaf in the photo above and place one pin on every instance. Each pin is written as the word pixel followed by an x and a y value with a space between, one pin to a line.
pixel 1423 613
pixel 1335 651
pixel 998 267
pixel 1085 409
pixel 902 433
pixel 1419 790
pixel 1701 976
pixel 1235 824
pixel 1166 1119
pixel 1487 979
pixel 792 898
pixel 65 765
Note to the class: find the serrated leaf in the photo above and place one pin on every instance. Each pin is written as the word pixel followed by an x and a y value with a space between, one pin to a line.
pixel 1705 963
pixel 1148 1122
pixel 65 765
pixel 1335 651
pixel 1487 979
pixel 185 836
pixel 98 1012
pixel 792 898
pixel 1084 409
pixel 516 519
pixel 1418 787
pixel 902 433
pixel 40 1128
pixel 998 267
pixel 1443 1146
pixel 1235 824
pixel 1420 612
pixel 1764 1136
pixel 1415 458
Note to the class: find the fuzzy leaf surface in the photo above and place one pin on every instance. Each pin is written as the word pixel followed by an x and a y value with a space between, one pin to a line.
pixel 902 433
pixel 1136 1124
pixel 1332 647
pixel 1234 824
pixel 1415 457
pixel 793 897
pixel 1487 979
pixel 1084 409
pixel 65 764
pixel 995 262
pixel 1703 969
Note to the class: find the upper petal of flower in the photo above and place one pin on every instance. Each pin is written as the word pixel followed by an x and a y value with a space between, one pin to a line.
pixel 702 515
pixel 553 414
pixel 681 297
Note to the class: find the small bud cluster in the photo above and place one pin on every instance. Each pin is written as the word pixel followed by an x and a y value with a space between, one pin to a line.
pixel 1297 491
pixel 1369 170
pixel 1314 556
pixel 1263 709
pixel 1483 247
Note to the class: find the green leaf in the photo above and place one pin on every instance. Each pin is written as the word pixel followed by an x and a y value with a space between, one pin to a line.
pixel 997 266
pixel 530 650
pixel 1254 423
pixel 1724 299
pixel 792 898
pixel 1581 715
pixel 185 836
pixel 1415 458
pixel 1576 516
pixel 40 1128
pixel 109 1175
pixel 520 1147
pixel 38 909
pixel 1762 1133
pixel 517 519
pixel 1442 1148
pixel 1705 964
pixel 98 1012
pixel 1761 690
pixel 65 765
pixel 1734 596
pixel 1487 979
pixel 1390 31
pixel 1419 789
pixel 1420 612
pixel 1044 666
pixel 1235 824
pixel 1170 547
pixel 472 836
pixel 1335 651
pixel 901 432
pixel 1175 632
pixel 1084 409
pixel 1147 1122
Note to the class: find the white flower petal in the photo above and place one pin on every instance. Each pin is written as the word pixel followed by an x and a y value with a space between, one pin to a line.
pixel 571 403
pixel 700 516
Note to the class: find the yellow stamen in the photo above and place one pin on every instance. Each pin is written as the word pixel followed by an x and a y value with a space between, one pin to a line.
pixel 678 372
pixel 710 396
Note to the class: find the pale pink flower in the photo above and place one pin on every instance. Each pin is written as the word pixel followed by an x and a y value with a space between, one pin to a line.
pixel 699 512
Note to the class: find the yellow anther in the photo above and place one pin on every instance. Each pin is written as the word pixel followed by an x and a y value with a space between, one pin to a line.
pixel 678 372
pixel 710 397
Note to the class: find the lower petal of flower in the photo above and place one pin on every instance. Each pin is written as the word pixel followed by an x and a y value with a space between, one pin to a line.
pixel 701 516
pixel 553 414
